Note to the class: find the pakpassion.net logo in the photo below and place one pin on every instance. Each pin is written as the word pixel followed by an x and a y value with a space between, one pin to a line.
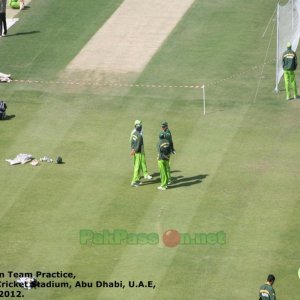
pixel 170 238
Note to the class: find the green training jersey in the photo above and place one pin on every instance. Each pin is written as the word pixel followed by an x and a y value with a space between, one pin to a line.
pixel 137 142
pixel 168 136
pixel 289 60
pixel 163 149
pixel 266 292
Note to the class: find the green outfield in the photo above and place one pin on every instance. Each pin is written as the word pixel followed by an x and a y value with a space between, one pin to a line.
pixel 236 169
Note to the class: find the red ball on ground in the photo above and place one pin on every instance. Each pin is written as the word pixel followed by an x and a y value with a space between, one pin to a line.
pixel 171 238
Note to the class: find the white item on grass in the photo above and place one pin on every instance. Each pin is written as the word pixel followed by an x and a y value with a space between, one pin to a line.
pixel 21 158
pixel 5 77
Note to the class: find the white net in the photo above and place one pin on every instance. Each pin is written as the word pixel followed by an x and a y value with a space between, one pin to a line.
pixel 288 30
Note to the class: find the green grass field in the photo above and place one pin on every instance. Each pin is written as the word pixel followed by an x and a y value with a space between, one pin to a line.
pixel 236 168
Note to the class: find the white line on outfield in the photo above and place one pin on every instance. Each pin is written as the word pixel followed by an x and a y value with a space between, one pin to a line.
pixel 132 85
pixel 11 22
pixel 100 84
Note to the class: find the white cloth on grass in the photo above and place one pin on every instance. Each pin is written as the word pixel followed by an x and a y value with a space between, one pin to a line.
pixel 21 158
pixel 25 282
pixel 5 77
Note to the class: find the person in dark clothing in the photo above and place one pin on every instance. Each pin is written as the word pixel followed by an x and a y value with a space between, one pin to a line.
pixel 3 108
pixel 3 26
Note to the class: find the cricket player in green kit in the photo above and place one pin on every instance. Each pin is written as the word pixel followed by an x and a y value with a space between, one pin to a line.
pixel 168 136
pixel 289 65
pixel 164 152
pixel 266 291
pixel 138 153
pixel 143 165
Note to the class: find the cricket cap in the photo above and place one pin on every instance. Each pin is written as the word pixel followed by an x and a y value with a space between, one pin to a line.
pixel 164 124
pixel 271 277
pixel 289 45
pixel 137 122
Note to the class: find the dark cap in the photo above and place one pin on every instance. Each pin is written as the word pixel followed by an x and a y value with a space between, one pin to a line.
pixel 271 277
pixel 164 124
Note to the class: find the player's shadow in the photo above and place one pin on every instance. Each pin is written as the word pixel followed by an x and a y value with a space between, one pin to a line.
pixel 23 33
pixel 178 181
pixel 182 181
pixel 8 117
pixel 156 178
